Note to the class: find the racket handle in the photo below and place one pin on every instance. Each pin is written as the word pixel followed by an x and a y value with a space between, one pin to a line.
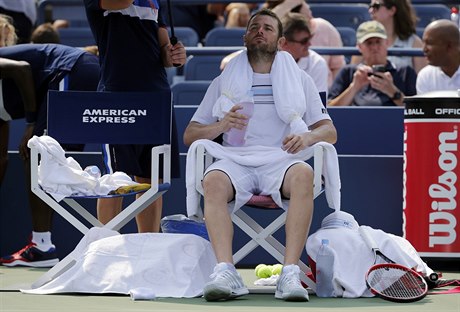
pixel 173 40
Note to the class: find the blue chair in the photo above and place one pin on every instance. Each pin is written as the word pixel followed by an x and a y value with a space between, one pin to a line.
pixel 427 13
pixel 348 36
pixel 202 67
pixel 76 36
pixel 67 124
pixel 349 15
pixel 186 35
pixel 224 37
pixel 71 10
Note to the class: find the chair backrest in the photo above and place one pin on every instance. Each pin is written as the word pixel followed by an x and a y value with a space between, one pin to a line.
pixel 224 37
pixel 202 67
pixel 348 36
pixel 76 36
pixel 71 10
pixel 426 13
pixel 349 15
pixel 110 117
pixel 186 35
pixel 187 95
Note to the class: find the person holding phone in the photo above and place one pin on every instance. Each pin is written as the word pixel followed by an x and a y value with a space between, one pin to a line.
pixel 375 81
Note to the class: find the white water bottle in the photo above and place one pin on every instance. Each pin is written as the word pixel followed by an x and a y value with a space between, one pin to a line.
pixel 93 171
pixel 454 16
pixel 236 137
pixel 325 270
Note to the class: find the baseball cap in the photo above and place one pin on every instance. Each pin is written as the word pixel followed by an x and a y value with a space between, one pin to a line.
pixel 370 29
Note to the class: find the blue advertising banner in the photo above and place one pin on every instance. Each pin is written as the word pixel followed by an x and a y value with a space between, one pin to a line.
pixel 110 117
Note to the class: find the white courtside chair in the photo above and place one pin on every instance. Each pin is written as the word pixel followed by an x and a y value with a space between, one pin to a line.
pixel 65 124
pixel 259 235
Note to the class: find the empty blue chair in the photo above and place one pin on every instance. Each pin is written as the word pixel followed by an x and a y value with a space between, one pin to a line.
pixel 349 15
pixel 427 13
pixel 348 36
pixel 224 37
pixel 186 35
pixel 202 67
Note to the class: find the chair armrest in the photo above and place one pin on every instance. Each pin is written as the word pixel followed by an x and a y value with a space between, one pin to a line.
pixel 156 151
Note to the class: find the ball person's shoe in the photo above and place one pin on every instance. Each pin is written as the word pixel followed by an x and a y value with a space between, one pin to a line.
pixel 226 284
pixel 31 256
pixel 288 286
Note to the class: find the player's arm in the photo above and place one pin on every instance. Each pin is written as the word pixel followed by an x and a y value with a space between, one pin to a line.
pixel 170 54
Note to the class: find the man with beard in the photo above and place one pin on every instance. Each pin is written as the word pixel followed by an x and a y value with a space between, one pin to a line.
pixel 441 45
pixel 281 124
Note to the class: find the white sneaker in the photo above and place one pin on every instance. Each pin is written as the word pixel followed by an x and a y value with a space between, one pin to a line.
pixel 289 287
pixel 226 284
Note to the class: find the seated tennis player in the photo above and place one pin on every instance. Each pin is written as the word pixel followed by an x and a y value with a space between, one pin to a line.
pixel 288 118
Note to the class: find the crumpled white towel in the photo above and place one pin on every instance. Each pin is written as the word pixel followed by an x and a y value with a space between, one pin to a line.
pixel 257 156
pixel 142 293
pixel 61 177
pixel 236 82
pixel 269 281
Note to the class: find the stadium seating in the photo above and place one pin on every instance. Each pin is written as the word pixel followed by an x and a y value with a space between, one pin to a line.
pixel 349 15
pixel 76 36
pixel 70 10
pixel 220 36
pixel 202 67
pixel 427 13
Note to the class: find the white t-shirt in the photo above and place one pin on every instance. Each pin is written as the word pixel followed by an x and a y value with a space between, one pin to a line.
pixel 400 61
pixel 315 65
pixel 265 127
pixel 432 78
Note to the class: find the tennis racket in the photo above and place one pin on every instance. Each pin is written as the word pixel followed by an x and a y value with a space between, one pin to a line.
pixel 173 38
pixel 391 281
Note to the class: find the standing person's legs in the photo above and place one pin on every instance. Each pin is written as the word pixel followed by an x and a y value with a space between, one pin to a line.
pixel 108 208
pixel 149 219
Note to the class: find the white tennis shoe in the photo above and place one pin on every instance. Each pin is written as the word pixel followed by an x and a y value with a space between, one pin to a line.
pixel 226 284
pixel 288 286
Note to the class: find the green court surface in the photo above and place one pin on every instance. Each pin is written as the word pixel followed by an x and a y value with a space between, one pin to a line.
pixel 13 279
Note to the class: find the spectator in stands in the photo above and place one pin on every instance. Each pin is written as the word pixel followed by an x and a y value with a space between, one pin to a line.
pixel 441 45
pixel 298 35
pixel 7 31
pixel 374 82
pixel 399 19
pixel 235 14
pixel 45 33
pixel 260 69
pixel 24 15
pixel 324 33
pixel 27 72
pixel 134 48
pixel 193 16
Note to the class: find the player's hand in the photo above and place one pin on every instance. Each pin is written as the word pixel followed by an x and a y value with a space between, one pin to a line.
pixel 177 54
pixel 295 143
pixel 233 119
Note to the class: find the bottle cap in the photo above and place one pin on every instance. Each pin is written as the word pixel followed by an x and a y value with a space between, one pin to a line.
pixel 324 241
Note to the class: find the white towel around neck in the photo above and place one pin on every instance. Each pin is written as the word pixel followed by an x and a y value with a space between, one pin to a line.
pixel 290 103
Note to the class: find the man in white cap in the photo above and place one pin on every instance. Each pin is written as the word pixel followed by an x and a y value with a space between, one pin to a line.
pixel 374 82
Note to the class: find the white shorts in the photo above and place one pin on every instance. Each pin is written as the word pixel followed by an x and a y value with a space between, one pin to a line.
pixel 262 180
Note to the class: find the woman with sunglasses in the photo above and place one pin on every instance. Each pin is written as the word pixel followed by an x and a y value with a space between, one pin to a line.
pixel 399 19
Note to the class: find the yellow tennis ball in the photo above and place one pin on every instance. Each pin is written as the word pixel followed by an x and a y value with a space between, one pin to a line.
pixel 264 272
pixel 276 269
pixel 258 267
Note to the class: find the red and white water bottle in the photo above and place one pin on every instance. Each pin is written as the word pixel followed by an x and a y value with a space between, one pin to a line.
pixel 237 137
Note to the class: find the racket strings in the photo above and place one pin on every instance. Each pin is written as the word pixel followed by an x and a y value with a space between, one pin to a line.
pixel 396 283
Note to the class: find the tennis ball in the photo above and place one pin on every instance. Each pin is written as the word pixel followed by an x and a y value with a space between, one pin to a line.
pixel 258 267
pixel 264 272
pixel 276 269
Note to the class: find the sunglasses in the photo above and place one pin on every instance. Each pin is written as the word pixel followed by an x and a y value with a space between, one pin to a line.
pixel 377 5
pixel 304 41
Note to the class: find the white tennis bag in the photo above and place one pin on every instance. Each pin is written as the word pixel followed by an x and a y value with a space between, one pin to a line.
pixel 352 257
